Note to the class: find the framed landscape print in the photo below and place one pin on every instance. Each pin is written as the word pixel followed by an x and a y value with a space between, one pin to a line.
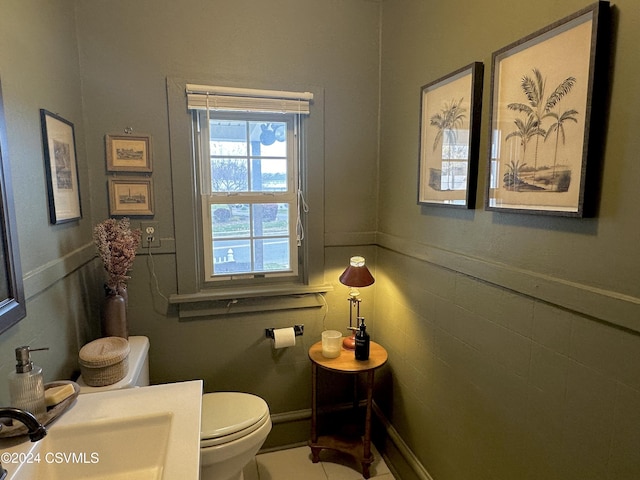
pixel 546 90
pixel 449 138
pixel 128 153
pixel 61 167
pixel 130 196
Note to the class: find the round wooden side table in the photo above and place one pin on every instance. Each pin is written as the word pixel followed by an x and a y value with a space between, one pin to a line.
pixel 346 363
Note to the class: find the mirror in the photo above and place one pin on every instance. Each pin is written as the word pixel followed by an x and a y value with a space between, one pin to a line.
pixel 12 302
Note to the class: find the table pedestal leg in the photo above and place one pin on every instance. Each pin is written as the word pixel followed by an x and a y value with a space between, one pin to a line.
pixel 315 451
pixel 367 457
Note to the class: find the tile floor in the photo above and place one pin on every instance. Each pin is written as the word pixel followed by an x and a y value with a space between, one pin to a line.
pixel 296 464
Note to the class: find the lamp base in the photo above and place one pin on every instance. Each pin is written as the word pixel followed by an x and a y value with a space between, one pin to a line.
pixel 349 343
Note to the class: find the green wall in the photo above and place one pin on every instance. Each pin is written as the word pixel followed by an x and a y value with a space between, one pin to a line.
pixel 104 66
pixel 39 69
pixel 127 51
pixel 514 346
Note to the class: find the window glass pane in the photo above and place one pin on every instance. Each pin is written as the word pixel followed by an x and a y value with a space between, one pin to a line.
pixel 271 219
pixel 268 139
pixel 250 155
pixel 271 254
pixel 230 220
pixel 231 257
pixel 268 175
pixel 238 248
pixel 228 138
pixel 229 175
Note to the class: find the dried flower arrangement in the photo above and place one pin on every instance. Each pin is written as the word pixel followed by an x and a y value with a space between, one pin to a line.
pixel 117 245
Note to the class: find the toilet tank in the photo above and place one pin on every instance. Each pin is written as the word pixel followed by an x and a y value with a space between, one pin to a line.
pixel 138 374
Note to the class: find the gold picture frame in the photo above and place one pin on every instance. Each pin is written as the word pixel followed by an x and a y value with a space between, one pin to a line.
pixel 130 196
pixel 128 153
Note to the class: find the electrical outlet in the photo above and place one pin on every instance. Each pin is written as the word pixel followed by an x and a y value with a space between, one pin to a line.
pixel 149 233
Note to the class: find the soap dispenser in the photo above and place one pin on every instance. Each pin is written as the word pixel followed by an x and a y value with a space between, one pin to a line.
pixel 362 341
pixel 26 384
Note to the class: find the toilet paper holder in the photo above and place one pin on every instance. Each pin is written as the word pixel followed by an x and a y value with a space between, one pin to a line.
pixel 298 330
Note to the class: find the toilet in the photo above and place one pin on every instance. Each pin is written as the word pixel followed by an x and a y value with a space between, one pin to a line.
pixel 233 428
pixel 138 373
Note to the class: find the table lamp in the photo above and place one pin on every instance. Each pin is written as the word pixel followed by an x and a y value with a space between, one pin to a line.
pixel 355 276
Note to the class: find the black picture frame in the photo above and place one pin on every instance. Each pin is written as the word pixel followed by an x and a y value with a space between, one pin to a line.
pixel 450 111
pixel 546 91
pixel 12 299
pixel 61 166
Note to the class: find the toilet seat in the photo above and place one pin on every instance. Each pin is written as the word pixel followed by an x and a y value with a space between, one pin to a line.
pixel 227 416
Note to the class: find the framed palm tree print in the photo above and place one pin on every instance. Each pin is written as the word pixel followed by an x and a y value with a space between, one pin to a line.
pixel 449 131
pixel 546 91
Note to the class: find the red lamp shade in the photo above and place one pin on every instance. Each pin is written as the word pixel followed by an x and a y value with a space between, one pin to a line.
pixel 357 274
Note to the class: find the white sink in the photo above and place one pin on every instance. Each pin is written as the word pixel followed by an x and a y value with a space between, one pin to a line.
pixel 149 433
pixel 97 450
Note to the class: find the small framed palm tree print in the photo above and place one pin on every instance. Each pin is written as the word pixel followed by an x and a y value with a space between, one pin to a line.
pixel 546 91
pixel 449 138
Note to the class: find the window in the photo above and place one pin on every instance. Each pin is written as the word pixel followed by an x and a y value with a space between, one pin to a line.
pixel 198 294
pixel 248 149
pixel 249 193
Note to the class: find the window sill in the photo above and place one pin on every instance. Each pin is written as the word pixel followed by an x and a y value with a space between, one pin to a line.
pixel 225 301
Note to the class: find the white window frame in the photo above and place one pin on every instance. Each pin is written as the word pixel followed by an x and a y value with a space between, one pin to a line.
pixel 193 299
pixel 208 198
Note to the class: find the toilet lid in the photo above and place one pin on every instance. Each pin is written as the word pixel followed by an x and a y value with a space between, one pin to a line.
pixel 230 415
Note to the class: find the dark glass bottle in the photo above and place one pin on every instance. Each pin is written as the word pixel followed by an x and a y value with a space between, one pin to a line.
pixel 362 341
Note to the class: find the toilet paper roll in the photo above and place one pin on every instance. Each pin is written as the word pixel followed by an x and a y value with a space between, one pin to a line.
pixel 284 337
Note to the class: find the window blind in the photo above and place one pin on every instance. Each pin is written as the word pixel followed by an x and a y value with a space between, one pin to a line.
pixel 217 98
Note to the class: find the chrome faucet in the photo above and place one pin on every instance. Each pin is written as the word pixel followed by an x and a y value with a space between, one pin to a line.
pixel 36 430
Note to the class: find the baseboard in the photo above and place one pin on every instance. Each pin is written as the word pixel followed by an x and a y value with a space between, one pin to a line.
pixel 288 430
pixel 291 430
pixel 400 459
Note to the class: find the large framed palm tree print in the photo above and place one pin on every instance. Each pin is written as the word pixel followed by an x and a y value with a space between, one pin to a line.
pixel 547 101
pixel 449 138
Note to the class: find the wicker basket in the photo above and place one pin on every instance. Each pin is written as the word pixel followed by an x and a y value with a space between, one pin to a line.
pixel 104 361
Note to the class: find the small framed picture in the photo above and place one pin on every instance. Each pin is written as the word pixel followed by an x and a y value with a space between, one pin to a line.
pixel 128 153
pixel 61 166
pixel 130 196
pixel 449 138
